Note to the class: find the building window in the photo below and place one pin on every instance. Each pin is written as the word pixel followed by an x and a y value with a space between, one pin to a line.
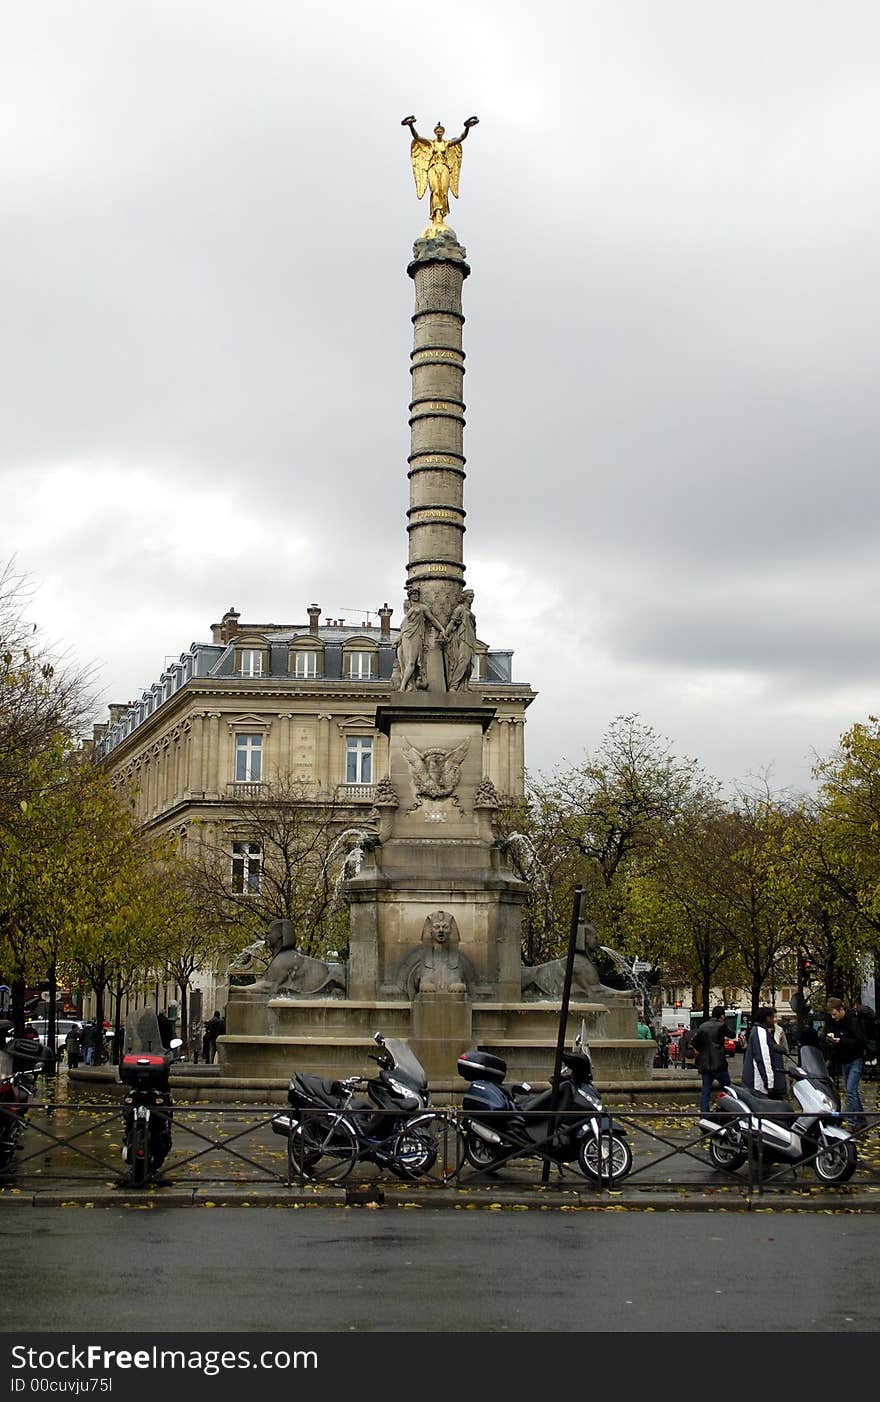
pixel 359 759
pixel 305 664
pixel 246 860
pixel 248 759
pixel 360 664
pixel 251 662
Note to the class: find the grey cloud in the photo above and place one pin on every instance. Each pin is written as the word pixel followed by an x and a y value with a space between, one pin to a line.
pixel 671 330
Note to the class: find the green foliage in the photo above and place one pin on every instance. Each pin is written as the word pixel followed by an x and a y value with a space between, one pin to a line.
pixel 592 824
pixel 847 852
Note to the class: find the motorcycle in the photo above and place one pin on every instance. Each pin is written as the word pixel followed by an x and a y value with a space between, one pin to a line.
pixel 747 1124
pixel 146 1112
pixel 328 1131
pixel 499 1125
pixel 21 1060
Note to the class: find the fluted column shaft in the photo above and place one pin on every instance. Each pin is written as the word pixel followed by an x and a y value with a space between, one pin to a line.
pixel 436 461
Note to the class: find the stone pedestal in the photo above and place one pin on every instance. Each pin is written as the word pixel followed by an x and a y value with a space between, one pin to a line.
pixel 436 854
pixel 441 1030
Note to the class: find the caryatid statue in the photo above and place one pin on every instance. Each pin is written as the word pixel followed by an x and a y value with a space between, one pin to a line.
pixel 436 165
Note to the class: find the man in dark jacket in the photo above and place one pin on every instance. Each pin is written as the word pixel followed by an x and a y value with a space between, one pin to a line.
pixel 708 1043
pixel 763 1065
pixel 215 1027
pixel 166 1028
pixel 845 1046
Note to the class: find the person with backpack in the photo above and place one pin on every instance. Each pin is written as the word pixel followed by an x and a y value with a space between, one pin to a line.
pixel 868 1025
pixel 708 1043
pixel 845 1046
pixel 73 1047
pixel 87 1039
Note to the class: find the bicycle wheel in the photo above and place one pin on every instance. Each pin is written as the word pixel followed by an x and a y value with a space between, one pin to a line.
pixel 138 1152
pixel 414 1151
pixel 322 1149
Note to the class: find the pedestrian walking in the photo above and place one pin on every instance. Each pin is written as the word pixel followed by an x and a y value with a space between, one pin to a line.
pixel 663 1044
pixel 763 1067
pixel 684 1043
pixel 73 1047
pixel 845 1045
pixel 87 1037
pixel 166 1028
pixel 214 1028
pixel 868 1027
pixel 708 1043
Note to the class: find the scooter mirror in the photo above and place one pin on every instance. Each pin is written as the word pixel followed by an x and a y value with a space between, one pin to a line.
pixel 378 1039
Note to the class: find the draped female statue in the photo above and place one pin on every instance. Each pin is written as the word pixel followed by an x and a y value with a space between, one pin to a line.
pixel 412 641
pixel 460 636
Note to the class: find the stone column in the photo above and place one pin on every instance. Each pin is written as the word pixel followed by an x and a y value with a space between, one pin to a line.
pixel 322 773
pixel 212 782
pixel 436 461
pixel 196 780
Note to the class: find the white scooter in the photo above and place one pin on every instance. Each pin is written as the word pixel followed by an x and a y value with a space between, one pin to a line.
pixel 745 1122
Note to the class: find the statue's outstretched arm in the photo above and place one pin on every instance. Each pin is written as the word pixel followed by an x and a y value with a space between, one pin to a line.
pixel 471 122
pixel 411 123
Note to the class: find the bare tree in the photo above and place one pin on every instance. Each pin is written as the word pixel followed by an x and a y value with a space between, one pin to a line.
pixel 288 865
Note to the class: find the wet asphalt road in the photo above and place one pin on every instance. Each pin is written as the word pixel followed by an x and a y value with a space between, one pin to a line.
pixel 350 1270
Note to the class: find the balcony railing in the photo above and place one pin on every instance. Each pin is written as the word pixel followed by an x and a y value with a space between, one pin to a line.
pixel 247 790
pixel 355 793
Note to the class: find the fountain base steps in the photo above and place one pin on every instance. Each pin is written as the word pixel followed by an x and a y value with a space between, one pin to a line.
pixel 333 1037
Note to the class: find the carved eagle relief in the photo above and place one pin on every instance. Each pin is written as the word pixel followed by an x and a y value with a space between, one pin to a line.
pixel 434 773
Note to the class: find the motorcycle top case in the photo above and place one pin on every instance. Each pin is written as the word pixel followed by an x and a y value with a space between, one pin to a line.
pixel 484 1096
pixel 481 1066
pixel 26 1052
pixel 144 1071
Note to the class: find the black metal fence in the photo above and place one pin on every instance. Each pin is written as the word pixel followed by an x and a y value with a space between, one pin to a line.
pixel 79 1142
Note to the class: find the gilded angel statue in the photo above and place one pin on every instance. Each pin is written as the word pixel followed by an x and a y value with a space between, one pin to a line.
pixel 436 165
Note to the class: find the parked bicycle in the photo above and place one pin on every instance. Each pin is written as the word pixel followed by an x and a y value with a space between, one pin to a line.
pixel 328 1130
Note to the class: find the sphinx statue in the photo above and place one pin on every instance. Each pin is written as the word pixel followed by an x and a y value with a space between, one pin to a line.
pixel 437 966
pixel 292 974
pixel 546 981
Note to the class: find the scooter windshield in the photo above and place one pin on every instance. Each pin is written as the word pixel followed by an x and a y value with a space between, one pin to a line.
pixel 813 1062
pixel 406 1062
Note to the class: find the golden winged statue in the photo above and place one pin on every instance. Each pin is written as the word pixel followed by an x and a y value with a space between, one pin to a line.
pixel 436 166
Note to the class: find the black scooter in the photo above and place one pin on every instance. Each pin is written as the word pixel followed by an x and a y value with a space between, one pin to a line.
pixel 21 1060
pixel 146 1112
pixel 500 1125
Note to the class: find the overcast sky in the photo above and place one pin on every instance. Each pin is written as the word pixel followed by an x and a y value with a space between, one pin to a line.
pixel 671 215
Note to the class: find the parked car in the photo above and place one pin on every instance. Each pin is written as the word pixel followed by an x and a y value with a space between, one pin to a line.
pixel 62 1026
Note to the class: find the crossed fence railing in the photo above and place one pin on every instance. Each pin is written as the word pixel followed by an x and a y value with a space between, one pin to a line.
pixel 215 1144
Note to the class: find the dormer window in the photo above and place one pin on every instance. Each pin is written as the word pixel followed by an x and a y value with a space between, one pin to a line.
pixel 305 663
pixel 250 662
pixel 359 665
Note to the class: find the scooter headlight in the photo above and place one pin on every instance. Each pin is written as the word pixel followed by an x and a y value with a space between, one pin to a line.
pixel 405 1092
